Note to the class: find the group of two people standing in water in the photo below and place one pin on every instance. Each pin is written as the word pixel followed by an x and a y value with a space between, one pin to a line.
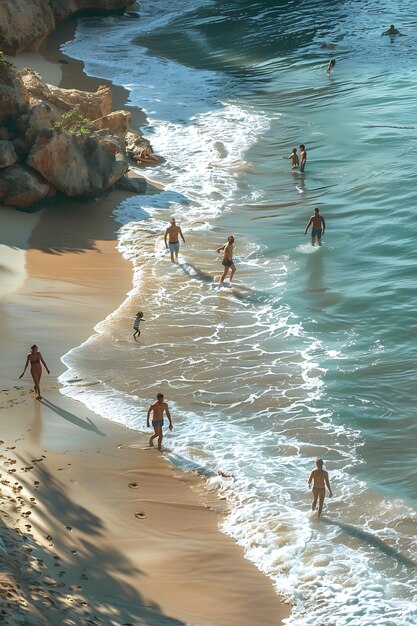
pixel 172 242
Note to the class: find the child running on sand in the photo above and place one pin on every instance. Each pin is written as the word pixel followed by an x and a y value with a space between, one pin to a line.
pixel 136 324
pixel 319 477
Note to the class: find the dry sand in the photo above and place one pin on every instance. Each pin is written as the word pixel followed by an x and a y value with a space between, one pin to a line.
pixel 97 528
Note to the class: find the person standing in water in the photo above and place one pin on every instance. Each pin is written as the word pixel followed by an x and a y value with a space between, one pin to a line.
pixel 227 259
pixel 303 157
pixel 136 324
pixel 172 234
pixel 331 65
pixel 158 409
pixel 293 158
pixel 35 359
pixel 320 479
pixel 318 227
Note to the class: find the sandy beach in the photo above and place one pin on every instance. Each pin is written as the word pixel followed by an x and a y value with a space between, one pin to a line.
pixel 96 527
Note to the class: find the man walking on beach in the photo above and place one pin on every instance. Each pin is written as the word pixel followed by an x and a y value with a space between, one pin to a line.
pixel 318 227
pixel 172 234
pixel 227 262
pixel 158 409
pixel 319 477
pixel 303 157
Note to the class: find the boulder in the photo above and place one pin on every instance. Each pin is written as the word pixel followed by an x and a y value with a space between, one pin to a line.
pixel 135 184
pixel 25 23
pixel 117 122
pixel 76 164
pixel 20 186
pixel 8 154
pixel 40 116
pixel 13 96
pixel 91 104
pixel 135 143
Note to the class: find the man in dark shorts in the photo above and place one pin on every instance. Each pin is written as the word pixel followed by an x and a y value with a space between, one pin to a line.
pixel 158 409
pixel 318 227
pixel 173 234
pixel 227 258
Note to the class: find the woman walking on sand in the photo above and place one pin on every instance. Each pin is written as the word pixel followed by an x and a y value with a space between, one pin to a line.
pixel 35 359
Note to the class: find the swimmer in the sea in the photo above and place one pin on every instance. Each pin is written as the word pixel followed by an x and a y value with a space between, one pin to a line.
pixel 331 65
pixel 293 158
pixel 320 479
pixel 391 31
pixel 328 46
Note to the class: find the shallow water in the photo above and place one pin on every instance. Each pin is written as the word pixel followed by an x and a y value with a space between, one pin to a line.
pixel 311 352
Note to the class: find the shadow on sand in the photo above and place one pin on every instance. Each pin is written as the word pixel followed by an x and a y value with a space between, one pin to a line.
pixel 102 594
pixel 87 424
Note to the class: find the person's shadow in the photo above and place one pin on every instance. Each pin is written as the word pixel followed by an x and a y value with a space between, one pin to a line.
pixel 87 424
pixel 371 540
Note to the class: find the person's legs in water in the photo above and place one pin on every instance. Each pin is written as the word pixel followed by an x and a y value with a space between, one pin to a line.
pixel 233 270
pixel 223 276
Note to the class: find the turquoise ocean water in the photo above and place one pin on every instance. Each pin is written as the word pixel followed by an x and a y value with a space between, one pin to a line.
pixel 312 352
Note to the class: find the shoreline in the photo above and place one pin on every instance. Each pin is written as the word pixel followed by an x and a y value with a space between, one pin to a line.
pixel 175 554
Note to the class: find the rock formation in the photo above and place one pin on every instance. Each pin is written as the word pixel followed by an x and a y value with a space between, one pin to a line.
pixel 24 24
pixel 54 139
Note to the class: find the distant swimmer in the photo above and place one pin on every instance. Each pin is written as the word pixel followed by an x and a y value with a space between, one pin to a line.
pixel 228 258
pixel 391 31
pixel 158 409
pixel 328 46
pixel 318 226
pixel 303 157
pixel 172 234
pixel 331 65
pixel 136 324
pixel 320 479
pixel 295 162
pixel 35 359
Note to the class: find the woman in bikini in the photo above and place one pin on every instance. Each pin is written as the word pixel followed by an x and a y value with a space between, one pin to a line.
pixel 35 359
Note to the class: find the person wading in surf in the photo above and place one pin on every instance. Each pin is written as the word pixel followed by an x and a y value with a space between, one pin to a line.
pixel 158 409
pixel 320 479
pixel 227 258
pixel 318 227
pixel 173 233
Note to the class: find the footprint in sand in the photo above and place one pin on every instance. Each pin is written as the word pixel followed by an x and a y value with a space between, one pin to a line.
pixel 140 515
pixel 69 528
pixel 133 485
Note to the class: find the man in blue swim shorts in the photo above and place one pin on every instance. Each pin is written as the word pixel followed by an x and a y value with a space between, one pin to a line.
pixel 318 227
pixel 172 235
pixel 158 409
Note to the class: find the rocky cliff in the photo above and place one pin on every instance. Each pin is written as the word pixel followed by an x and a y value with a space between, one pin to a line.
pixel 24 24
pixel 59 140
